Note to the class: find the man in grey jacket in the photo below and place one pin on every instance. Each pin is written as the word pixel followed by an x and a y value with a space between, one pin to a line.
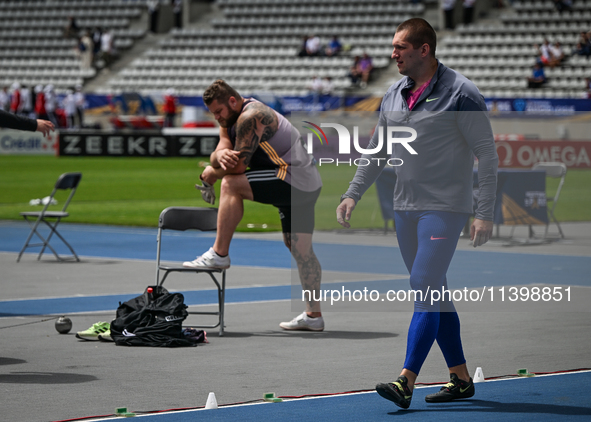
pixel 446 116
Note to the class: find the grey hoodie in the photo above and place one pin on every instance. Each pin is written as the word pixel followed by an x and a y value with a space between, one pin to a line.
pixel 435 171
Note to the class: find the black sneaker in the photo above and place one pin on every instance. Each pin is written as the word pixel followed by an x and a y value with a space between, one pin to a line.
pixel 453 390
pixel 396 391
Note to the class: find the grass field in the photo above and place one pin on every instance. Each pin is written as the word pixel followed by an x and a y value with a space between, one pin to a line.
pixel 133 191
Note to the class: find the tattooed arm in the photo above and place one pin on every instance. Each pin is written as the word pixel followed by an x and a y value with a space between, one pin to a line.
pixel 258 123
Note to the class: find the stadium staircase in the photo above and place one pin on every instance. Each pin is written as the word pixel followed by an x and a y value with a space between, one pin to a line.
pixel 34 50
pixel 253 44
pixel 498 56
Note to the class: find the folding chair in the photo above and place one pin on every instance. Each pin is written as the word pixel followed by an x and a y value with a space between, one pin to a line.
pixel 51 218
pixel 185 218
pixel 554 170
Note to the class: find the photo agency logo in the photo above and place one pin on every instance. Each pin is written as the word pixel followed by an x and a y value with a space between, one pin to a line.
pixel 392 135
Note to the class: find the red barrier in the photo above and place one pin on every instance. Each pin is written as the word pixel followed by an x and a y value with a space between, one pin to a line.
pixel 524 153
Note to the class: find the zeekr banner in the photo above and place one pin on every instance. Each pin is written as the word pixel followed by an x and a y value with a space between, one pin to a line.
pixel 166 143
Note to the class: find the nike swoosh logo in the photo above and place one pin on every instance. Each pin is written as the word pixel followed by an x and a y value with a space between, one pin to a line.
pixel 437 238
pixel 462 390
pixel 431 99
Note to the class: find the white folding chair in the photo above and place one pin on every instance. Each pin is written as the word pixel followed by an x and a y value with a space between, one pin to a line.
pixel 186 218
pixel 51 218
pixel 554 170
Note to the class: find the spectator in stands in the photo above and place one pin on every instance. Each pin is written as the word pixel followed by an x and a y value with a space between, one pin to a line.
pixel 69 106
pixel 85 51
pixel 563 5
pixel 40 103
pixel 177 10
pixel 315 89
pixel 80 101
pixel 107 47
pixel 4 99
pixel 365 68
pixel 96 35
pixel 327 86
pixel 468 11
pixel 448 7
pixel 334 47
pixel 25 107
pixel 588 87
pixel 557 54
pixel 315 85
pixel 153 11
pixel 71 30
pixel 544 55
pixel 313 45
pixel 354 74
pixel 302 51
pixel 51 104
pixel 538 78
pixel 169 107
pixel 15 99
pixel 583 47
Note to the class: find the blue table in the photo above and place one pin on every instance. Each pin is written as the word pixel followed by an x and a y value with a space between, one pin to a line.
pixel 521 196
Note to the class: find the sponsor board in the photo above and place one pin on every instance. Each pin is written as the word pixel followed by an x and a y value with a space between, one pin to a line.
pixel 575 154
pixel 530 107
pixel 179 143
pixel 21 142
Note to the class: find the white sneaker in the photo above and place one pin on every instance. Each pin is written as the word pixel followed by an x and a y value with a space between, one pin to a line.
pixel 304 322
pixel 209 259
pixel 207 192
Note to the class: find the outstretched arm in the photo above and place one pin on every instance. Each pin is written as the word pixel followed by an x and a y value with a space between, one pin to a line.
pixel 12 121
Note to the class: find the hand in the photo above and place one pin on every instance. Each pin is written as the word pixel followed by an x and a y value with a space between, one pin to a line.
pixel 208 175
pixel 228 158
pixel 45 127
pixel 207 192
pixel 344 211
pixel 480 232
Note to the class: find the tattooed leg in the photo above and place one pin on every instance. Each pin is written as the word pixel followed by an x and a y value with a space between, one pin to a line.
pixel 234 190
pixel 309 268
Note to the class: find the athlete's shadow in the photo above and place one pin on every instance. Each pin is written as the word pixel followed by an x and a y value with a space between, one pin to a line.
pixel 328 335
pixel 487 406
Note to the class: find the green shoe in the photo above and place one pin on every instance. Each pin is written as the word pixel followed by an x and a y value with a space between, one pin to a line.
pixel 106 336
pixel 93 332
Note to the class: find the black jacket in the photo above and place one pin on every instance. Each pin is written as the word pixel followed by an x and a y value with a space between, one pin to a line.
pixel 12 121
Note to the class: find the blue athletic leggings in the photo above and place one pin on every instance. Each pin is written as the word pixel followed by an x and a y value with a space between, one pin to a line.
pixel 427 241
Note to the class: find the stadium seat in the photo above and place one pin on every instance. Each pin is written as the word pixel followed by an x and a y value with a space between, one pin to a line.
pixel 51 218
pixel 190 218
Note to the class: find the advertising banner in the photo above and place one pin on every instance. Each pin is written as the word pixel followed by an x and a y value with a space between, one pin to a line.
pixel 20 142
pixel 166 143
pixel 524 154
